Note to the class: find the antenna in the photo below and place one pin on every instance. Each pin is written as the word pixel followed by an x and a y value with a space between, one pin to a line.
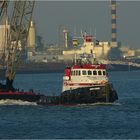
pixel 90 31
pixel 75 58
pixel 95 33
pixel 75 34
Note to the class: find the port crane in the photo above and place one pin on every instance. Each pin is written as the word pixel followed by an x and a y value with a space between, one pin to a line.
pixel 17 39
pixel 3 13
pixel 3 8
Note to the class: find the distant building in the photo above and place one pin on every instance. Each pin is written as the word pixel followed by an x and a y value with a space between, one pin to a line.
pixel 39 42
pixel 102 49
pixel 137 52
pixel 89 47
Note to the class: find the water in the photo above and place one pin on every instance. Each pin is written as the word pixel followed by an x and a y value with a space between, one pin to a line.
pixel 107 121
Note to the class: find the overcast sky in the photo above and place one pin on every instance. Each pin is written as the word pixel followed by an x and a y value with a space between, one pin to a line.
pixel 49 16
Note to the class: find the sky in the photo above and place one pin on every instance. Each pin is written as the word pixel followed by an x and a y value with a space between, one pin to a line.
pixel 50 16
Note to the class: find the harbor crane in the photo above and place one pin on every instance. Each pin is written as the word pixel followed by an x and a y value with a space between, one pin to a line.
pixel 3 8
pixel 19 24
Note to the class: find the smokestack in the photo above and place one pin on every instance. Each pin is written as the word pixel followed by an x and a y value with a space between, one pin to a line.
pixel 113 24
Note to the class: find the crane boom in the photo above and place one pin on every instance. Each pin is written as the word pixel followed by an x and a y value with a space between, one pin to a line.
pixel 3 8
pixel 19 28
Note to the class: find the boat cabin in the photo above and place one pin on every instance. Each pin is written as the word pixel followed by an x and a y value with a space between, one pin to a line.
pixel 86 73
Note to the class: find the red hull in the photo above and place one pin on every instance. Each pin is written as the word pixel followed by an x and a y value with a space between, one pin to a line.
pixel 24 96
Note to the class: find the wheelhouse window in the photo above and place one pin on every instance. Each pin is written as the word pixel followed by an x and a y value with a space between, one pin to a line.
pixel 71 72
pixel 94 72
pixel 99 72
pixel 79 72
pixel 83 72
pixel 89 72
pixel 104 72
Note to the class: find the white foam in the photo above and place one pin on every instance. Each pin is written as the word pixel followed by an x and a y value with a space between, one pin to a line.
pixel 100 104
pixel 16 102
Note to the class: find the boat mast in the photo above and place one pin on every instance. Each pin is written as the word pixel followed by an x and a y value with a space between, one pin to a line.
pixel 17 41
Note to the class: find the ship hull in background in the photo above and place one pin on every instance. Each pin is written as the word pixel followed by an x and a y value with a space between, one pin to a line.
pixel 53 67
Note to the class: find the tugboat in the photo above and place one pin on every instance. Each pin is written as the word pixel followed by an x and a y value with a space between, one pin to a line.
pixel 87 82
pixel 83 83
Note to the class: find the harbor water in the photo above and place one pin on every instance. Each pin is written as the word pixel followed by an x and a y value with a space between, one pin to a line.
pixel 23 120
